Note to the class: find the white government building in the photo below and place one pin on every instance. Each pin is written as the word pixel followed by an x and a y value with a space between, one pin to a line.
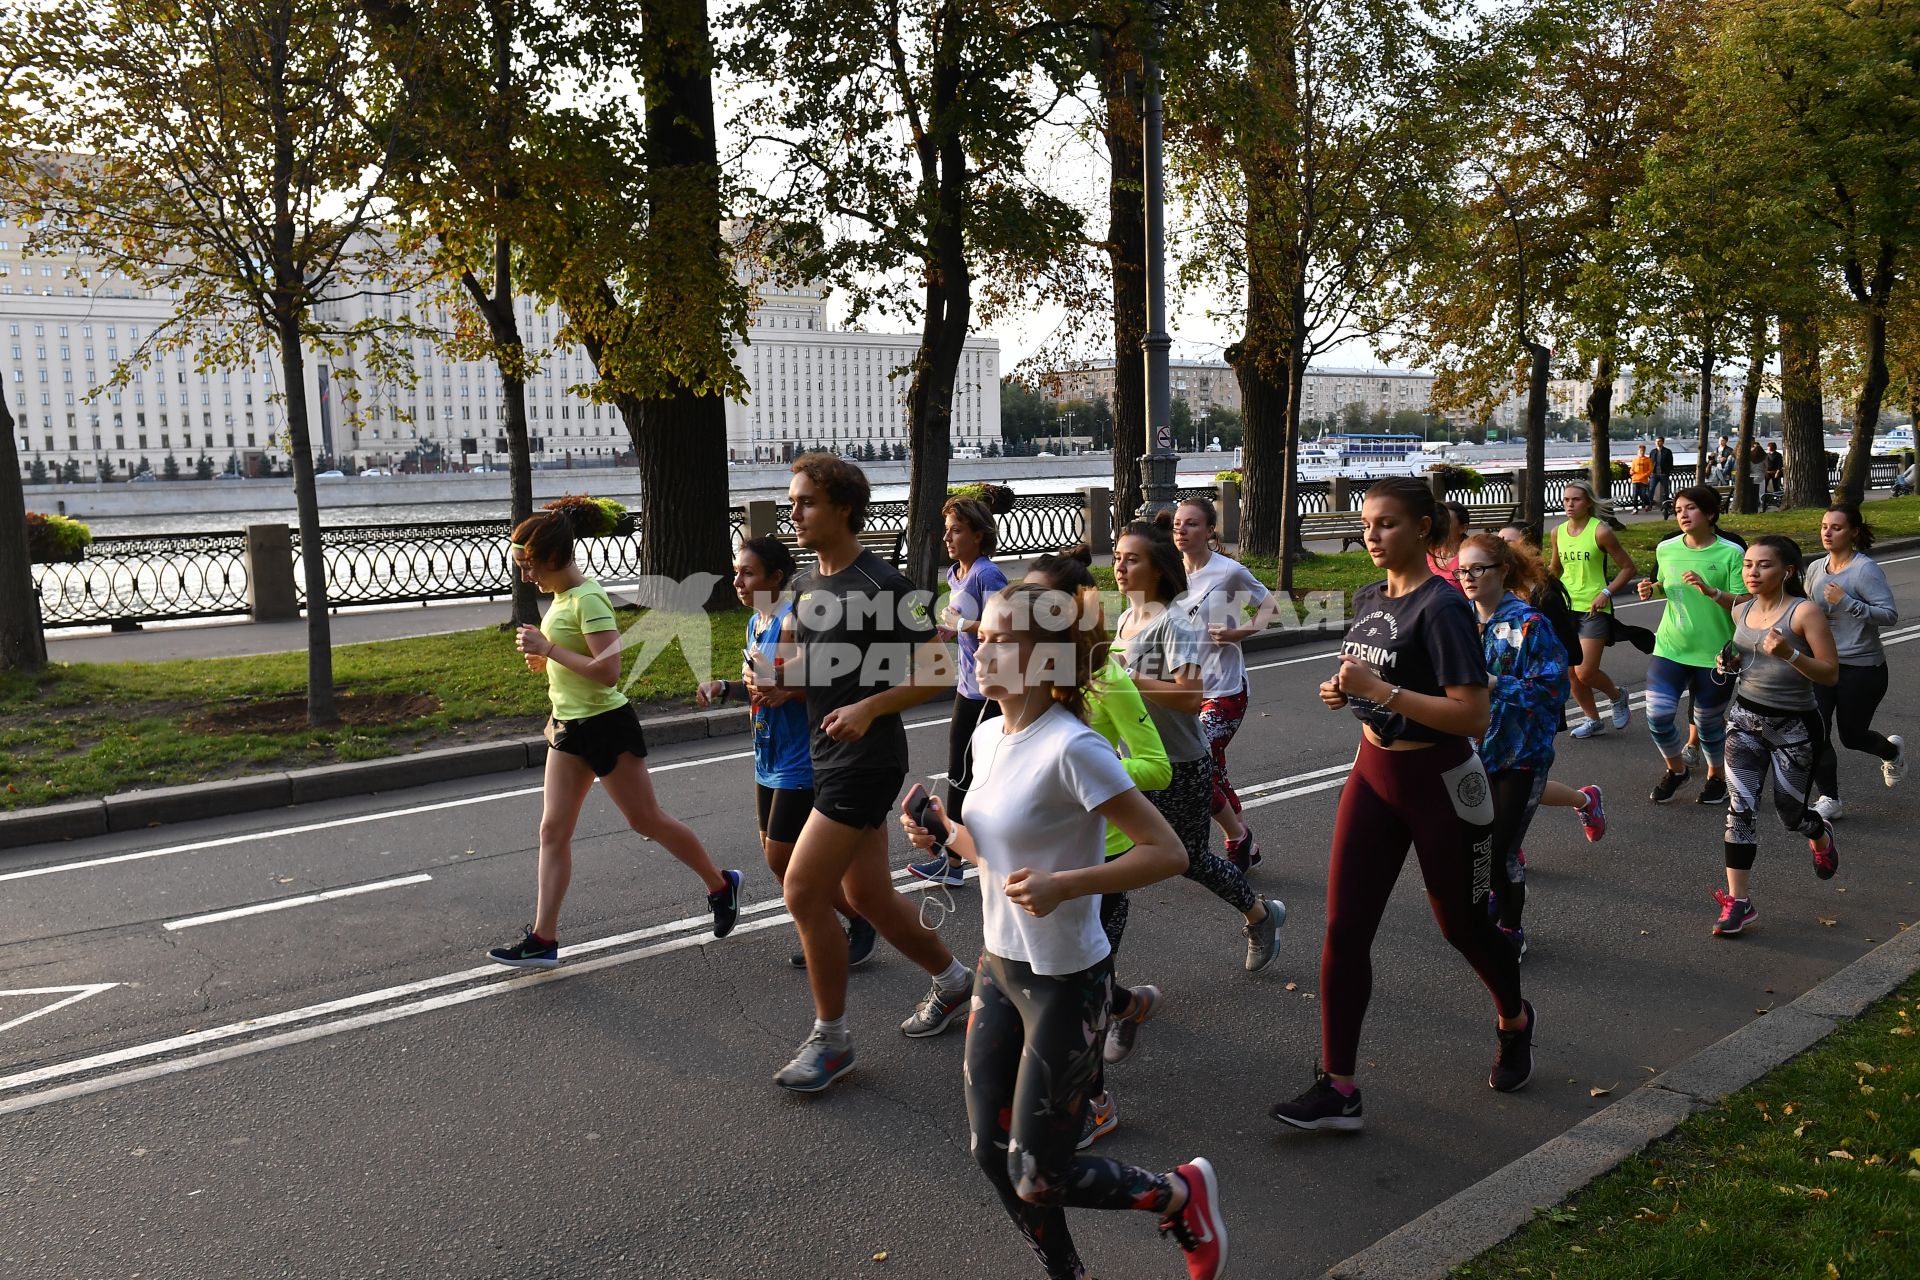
pixel 69 325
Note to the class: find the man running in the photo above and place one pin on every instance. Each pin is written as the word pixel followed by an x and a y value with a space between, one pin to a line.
pixel 864 651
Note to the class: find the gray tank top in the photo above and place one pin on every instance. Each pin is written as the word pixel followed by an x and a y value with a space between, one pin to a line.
pixel 1765 679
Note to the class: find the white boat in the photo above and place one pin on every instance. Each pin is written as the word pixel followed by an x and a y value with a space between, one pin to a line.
pixel 1364 457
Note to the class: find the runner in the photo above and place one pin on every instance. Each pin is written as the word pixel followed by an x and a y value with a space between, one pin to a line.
pixel 1577 555
pixel 1416 780
pixel 1781 648
pixel 1220 590
pixel 593 732
pixel 1527 686
pixel 864 652
pixel 1850 589
pixel 782 768
pixel 1162 650
pixel 1034 1039
pixel 1442 559
pixel 1116 713
pixel 1698 572
pixel 971 578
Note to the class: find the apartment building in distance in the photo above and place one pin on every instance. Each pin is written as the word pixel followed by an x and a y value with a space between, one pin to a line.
pixel 1203 384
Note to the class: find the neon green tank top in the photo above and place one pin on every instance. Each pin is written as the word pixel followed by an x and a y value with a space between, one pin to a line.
pixel 1583 565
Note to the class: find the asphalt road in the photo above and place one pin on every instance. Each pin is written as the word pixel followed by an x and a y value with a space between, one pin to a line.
pixel 343 1087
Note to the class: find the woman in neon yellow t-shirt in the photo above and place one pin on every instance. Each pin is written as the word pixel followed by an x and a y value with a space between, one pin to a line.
pixel 593 732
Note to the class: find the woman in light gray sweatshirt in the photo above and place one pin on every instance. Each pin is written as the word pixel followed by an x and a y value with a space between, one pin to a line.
pixel 1851 589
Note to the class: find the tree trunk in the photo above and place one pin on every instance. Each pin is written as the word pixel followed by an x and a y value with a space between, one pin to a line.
pixel 1600 418
pixel 23 645
pixel 1866 409
pixel 1260 367
pixel 1533 500
pixel 1708 354
pixel 1802 421
pixel 321 711
pixel 1120 69
pixel 1745 500
pixel 504 327
pixel 1290 450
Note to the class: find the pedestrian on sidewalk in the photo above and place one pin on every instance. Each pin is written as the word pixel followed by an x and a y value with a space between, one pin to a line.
pixel 1412 671
pixel 1049 786
pixel 763 568
pixel 1849 587
pixel 1781 648
pixel 593 732
pixel 1662 472
pixel 1640 473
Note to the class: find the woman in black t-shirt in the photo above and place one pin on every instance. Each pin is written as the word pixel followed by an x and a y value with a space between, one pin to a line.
pixel 1412 671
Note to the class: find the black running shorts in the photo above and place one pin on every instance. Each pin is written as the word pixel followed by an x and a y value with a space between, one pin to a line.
pixel 600 740
pixel 861 798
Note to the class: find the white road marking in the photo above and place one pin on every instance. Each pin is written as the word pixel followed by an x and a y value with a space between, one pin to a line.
pixel 78 993
pixel 304 900
pixel 1258 787
pixel 1328 785
pixel 1312 657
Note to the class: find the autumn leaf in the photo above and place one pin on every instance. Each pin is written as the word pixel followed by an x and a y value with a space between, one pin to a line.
pixel 1839 1154
pixel 1601 1090
pixel 1828 921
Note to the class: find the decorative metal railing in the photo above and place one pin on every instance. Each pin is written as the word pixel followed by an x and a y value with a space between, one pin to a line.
pixel 137 578
pixel 399 564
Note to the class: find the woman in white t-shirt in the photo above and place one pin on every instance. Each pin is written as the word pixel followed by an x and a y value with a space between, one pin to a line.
pixel 1228 604
pixel 1046 785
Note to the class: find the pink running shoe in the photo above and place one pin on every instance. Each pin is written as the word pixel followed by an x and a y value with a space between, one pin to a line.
pixel 1593 814
pixel 1826 854
pixel 1735 914
pixel 1198 1228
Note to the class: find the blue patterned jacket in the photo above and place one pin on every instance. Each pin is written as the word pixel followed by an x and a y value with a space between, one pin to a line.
pixel 1529 668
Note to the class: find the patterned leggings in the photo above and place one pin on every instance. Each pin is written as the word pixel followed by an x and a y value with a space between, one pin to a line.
pixel 1183 802
pixel 1033 1047
pixel 1219 720
pixel 1756 739
pixel 1667 680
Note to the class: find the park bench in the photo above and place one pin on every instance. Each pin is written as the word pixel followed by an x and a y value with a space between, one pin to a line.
pixel 1324 526
pixel 885 543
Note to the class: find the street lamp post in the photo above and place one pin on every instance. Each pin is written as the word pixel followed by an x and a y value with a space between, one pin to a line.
pixel 1157 468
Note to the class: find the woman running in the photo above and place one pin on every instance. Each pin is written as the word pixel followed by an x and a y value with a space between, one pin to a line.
pixel 1161 649
pixel 972 577
pixel 1848 586
pixel 1442 559
pixel 782 763
pixel 593 732
pixel 1035 827
pixel 1527 686
pixel 1220 591
pixel 1116 712
pixel 1781 648
pixel 1577 554
pixel 1698 572
pixel 1411 670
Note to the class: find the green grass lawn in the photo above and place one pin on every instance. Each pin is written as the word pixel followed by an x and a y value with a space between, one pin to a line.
pixel 1812 1173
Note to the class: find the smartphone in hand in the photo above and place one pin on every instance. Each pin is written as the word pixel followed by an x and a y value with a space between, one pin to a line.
pixel 919 808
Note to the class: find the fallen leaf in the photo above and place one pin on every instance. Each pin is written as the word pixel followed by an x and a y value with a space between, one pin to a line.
pixel 1800 1128
pixel 1873 1116
pixel 1787 1110
pixel 1293 986
pixel 1706 1226
pixel 1914 1155
pixel 880 1256
pixel 1865 1068
pixel 1828 921
pixel 1819 1193
pixel 1874 1160
pixel 1839 1154
pixel 1601 1090
pixel 1833 1272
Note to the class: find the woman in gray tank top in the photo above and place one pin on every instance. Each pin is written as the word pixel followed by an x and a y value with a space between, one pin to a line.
pixel 1781 647
pixel 1847 586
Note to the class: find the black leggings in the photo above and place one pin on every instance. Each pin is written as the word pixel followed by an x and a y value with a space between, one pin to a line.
pixel 1438 800
pixel 1186 803
pixel 968 715
pixel 1852 702
pixel 1033 1049
pixel 1516 797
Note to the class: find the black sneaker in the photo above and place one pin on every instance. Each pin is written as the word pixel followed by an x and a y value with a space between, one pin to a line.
pixel 860 937
pixel 1513 1065
pixel 726 905
pixel 1669 783
pixel 528 953
pixel 1321 1107
pixel 1713 791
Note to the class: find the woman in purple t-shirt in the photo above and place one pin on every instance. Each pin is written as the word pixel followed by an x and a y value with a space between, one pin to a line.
pixel 971 578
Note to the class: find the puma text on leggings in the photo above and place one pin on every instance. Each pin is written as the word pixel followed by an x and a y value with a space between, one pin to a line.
pixel 1760 739
pixel 1437 799
pixel 1667 680
pixel 1219 720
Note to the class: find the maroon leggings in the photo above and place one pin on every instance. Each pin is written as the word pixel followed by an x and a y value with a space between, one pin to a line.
pixel 1437 799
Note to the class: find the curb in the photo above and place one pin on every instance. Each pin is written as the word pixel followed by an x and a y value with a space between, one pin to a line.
pixel 1466 1225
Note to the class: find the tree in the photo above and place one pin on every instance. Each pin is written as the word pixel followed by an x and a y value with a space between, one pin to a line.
pixel 236 157
pixel 899 135
pixel 23 645
pixel 38 471
pixel 1121 86
pixel 203 469
pixel 70 471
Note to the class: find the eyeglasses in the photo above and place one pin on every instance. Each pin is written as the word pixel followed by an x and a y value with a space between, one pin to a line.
pixel 1468 572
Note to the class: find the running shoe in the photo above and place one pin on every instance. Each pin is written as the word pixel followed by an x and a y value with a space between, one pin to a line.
pixel 1891 771
pixel 1669 783
pixel 1102 1118
pixel 860 936
pixel 1622 712
pixel 1517 939
pixel 1321 1107
pixel 1263 937
pixel 818 1064
pixel 1593 814
pixel 1513 1064
pixel 726 905
pixel 1122 1030
pixel 528 953
pixel 1690 754
pixel 1735 914
pixel 1829 807
pixel 939 869
pixel 938 1010
pixel 1244 853
pixel 1198 1228
pixel 1713 790
pixel 1826 855
pixel 1589 727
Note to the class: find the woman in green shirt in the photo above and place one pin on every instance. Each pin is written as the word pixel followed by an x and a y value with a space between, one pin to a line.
pixel 593 732
pixel 1578 554
pixel 1698 572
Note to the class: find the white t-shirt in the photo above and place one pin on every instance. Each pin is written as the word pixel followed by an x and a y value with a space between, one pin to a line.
pixel 1032 805
pixel 1218 593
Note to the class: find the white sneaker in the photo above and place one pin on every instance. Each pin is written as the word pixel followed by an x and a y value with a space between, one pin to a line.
pixel 1891 771
pixel 1622 713
pixel 1829 808
pixel 1588 727
pixel 1691 754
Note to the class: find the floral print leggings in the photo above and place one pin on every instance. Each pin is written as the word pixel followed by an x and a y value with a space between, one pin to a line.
pixel 1033 1048
pixel 1219 720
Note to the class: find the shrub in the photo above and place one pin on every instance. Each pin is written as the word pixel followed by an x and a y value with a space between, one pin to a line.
pixel 998 497
pixel 1228 477
pixel 1618 470
pixel 1455 476
pixel 56 539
